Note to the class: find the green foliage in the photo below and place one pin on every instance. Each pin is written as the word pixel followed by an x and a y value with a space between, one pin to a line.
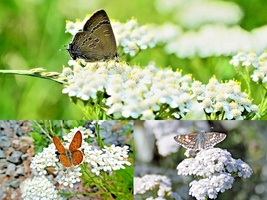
pixel 116 185
pixel 43 129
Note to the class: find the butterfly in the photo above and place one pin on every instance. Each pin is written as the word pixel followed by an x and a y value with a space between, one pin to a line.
pixel 72 156
pixel 198 141
pixel 96 41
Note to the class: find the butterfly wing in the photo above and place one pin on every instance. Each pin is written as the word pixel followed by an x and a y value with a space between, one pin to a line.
pixel 87 46
pixel 62 152
pixel 76 142
pixel 213 138
pixel 75 46
pixel 60 148
pixel 99 17
pixel 77 157
pixel 188 141
pixel 65 160
pixel 98 25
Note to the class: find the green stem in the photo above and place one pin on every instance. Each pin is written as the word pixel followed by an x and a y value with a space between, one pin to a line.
pixel 38 73
pixel 263 104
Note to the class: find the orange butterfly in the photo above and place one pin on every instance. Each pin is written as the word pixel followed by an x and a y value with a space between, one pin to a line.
pixel 72 156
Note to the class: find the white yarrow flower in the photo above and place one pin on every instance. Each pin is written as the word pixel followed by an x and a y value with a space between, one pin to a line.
pixel 39 188
pixel 223 99
pixel 132 92
pixel 205 41
pixel 44 159
pixel 68 177
pixel 107 159
pixel 218 169
pixel 257 63
pixel 152 182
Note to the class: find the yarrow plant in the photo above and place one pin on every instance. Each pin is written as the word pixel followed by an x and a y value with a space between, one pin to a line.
pixel 39 188
pixel 106 159
pixel 121 91
pixel 97 162
pixel 129 92
pixel 193 14
pixel 150 183
pixel 224 100
pixel 208 28
pixel 253 67
pixel 216 171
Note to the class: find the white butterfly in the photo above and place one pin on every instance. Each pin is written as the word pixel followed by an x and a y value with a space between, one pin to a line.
pixel 198 141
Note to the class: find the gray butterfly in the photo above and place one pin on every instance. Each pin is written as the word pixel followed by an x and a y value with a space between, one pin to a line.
pixel 96 41
pixel 198 141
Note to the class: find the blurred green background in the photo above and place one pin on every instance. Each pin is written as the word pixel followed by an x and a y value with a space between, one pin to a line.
pixel 32 32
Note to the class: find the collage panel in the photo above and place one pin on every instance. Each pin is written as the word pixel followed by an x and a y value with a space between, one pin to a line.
pixel 66 159
pixel 122 70
pixel 200 160
pixel 148 60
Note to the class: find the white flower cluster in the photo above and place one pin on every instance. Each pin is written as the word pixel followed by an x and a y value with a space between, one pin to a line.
pixel 164 132
pixel 251 59
pixel 198 13
pixel 153 182
pixel 74 27
pixel 168 32
pixel 218 168
pixel 68 177
pixel 214 160
pixel 106 159
pixel 44 159
pixel 130 36
pixel 224 100
pixel 39 188
pixel 210 186
pixel 166 145
pixel 132 92
pixel 193 14
pixel 217 40
pixel 47 159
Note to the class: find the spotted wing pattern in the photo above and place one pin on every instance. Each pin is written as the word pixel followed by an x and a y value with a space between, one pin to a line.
pixel 202 140
pixel 96 41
